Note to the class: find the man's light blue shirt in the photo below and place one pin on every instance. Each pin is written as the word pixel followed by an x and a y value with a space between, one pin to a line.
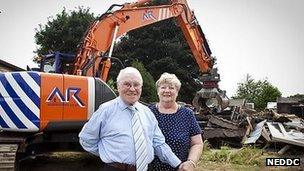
pixel 108 134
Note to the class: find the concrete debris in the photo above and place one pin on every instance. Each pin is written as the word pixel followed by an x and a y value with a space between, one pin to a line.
pixel 222 122
pixel 223 132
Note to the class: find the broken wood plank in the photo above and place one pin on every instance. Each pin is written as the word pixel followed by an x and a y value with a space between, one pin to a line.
pixel 284 149
pixel 249 122
pixel 278 136
pixel 282 129
pixel 266 134
pixel 246 134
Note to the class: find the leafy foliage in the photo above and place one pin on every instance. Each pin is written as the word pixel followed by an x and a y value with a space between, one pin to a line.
pixel 149 89
pixel 64 32
pixel 112 85
pixel 298 96
pixel 257 92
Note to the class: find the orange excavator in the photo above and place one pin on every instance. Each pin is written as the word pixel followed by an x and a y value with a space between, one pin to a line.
pixel 43 112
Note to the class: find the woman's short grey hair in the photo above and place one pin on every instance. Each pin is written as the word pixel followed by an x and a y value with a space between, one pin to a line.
pixel 167 78
pixel 129 70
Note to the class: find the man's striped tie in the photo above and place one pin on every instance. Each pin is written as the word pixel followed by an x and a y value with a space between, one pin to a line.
pixel 140 141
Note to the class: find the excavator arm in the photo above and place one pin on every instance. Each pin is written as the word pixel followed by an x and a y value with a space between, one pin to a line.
pixel 195 38
pixel 94 56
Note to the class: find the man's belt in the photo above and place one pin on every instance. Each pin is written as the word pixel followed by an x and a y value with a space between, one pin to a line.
pixel 122 166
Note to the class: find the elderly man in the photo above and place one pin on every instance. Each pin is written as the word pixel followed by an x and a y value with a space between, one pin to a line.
pixel 123 132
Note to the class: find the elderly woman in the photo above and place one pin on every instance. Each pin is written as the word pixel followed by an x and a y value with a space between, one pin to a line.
pixel 178 124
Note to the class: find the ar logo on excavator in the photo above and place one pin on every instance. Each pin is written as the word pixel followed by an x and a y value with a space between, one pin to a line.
pixel 148 15
pixel 70 92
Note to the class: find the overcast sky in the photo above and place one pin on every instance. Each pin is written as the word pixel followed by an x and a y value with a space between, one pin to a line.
pixel 263 38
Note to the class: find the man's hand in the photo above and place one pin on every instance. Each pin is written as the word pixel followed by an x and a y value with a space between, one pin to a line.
pixel 186 166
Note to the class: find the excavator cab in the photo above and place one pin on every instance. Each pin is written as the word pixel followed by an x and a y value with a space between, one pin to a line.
pixel 61 63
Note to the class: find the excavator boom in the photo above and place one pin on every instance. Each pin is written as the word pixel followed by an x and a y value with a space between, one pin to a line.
pixel 94 56
pixel 195 37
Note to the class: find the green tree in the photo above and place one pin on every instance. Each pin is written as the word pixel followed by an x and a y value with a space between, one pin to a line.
pixel 149 93
pixel 298 96
pixel 249 89
pixel 63 32
pixel 258 92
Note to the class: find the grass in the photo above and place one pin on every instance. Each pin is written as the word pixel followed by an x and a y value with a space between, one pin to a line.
pixel 226 158
pixel 243 156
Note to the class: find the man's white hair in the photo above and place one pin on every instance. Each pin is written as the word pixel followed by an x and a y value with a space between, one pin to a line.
pixel 129 70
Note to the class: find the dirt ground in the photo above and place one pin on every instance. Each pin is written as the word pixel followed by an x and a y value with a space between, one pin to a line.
pixel 65 161
pixel 72 161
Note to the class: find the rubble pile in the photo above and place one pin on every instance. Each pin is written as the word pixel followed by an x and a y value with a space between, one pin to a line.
pixel 286 129
pixel 226 127
pixel 242 125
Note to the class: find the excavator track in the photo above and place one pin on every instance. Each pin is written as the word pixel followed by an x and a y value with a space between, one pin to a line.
pixel 8 156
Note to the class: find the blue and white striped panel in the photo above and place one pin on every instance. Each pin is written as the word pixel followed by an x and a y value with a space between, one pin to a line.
pixel 20 101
